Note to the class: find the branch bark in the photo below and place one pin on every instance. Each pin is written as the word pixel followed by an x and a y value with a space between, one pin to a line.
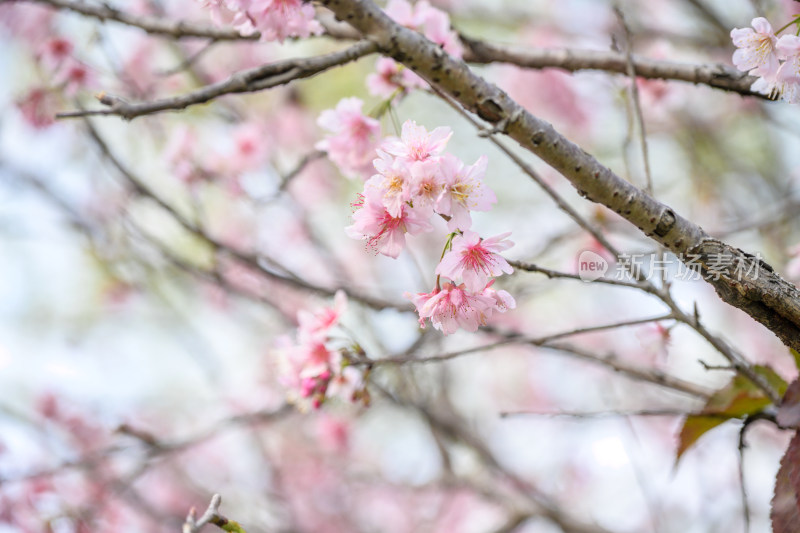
pixel 770 300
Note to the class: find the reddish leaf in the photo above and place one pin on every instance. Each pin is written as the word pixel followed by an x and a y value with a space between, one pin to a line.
pixel 739 398
pixel 789 411
pixel 785 512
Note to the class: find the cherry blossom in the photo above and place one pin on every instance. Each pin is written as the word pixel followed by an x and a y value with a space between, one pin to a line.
pixel 385 233
pixel 436 27
pixel 426 184
pixel 55 51
pixel 788 75
pixel 38 107
pixel 464 191
pixel 756 52
pixel 416 143
pixel 316 325
pixel 475 260
pixel 275 19
pixel 180 155
pixel 430 21
pixel 503 301
pixel 354 137
pixel 392 77
pixel 315 368
pixel 452 307
pixel 392 182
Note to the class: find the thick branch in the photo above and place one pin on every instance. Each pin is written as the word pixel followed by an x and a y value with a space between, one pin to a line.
pixel 774 309
pixel 251 80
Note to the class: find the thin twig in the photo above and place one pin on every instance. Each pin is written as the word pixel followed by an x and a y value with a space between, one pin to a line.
pixel 555 274
pixel 515 339
pixel 633 91
pixel 605 414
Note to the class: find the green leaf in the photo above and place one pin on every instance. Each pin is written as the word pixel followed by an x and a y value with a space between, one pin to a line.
pixel 738 399
pixel 796 356
pixel 233 527
pixel 693 428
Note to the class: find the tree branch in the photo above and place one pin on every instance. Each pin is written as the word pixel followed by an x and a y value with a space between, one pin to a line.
pixel 246 81
pixel 175 29
pixel 717 76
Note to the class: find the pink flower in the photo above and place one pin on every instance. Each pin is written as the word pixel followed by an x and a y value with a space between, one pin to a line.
pixel 788 75
pixel 55 51
pixel 432 22
pixel 279 19
pixel 464 191
pixel 392 182
pixel 756 51
pixel 452 307
pixel 416 143
pixel 401 12
pixel 251 149
pixel 38 107
pixel 275 19
pixel 346 384
pixel 392 77
pixel 475 260
pixel 435 24
pixel 74 75
pixel 426 184
pixel 503 301
pixel 316 325
pixel 180 155
pixel 385 233
pixel 354 137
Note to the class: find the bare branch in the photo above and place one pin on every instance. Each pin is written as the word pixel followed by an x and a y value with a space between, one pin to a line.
pixel 635 103
pixel 606 414
pixel 246 81
pixel 530 267
pixel 717 76
pixel 516 339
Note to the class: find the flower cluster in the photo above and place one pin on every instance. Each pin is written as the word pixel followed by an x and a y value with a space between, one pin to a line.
pixel 416 179
pixel 471 303
pixel 392 79
pixel 760 52
pixel 275 19
pixel 353 137
pixel 313 368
